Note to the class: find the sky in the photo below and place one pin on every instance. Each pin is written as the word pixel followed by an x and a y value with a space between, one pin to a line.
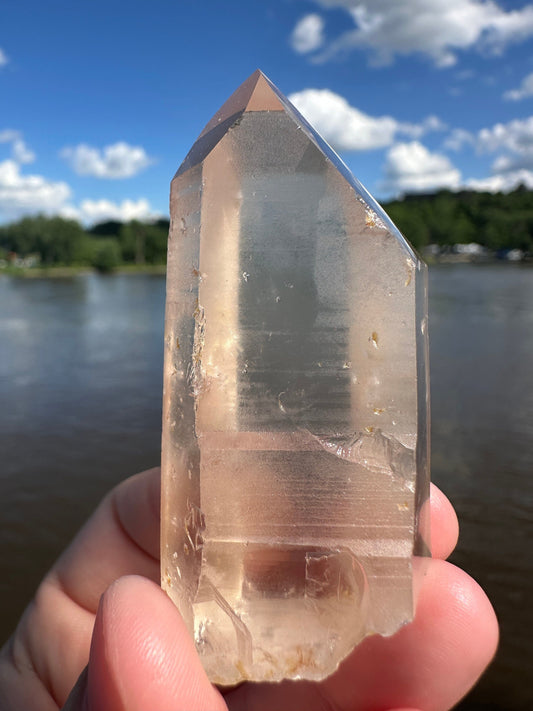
pixel 101 101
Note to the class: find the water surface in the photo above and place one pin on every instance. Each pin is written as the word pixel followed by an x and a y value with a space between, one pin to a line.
pixel 80 401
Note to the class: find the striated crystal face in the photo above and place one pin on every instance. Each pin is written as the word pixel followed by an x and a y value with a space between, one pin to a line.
pixel 295 400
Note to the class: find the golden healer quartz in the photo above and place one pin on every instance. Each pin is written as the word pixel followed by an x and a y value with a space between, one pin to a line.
pixel 295 414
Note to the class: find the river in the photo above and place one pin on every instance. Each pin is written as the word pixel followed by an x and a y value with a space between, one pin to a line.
pixel 80 400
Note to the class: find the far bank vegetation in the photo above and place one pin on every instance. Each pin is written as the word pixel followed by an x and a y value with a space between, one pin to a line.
pixel 435 224
pixel 56 242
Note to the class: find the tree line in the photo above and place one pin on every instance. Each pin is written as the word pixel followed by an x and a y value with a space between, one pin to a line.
pixel 498 221
pixel 61 242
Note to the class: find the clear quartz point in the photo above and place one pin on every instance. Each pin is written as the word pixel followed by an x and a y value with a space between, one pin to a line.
pixel 295 414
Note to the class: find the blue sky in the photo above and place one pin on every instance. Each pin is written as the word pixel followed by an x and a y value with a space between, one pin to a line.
pixel 100 101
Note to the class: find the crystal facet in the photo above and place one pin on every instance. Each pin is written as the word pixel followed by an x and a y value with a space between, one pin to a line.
pixel 295 400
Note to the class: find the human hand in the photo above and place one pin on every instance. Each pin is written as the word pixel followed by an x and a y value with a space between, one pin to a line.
pixel 141 657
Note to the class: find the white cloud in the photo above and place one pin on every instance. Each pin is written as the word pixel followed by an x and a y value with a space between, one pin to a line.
pixel 411 167
pixel 28 194
pixel 94 211
pixel 8 135
pixel 502 183
pixel 308 34
pixel 342 125
pixel 3 58
pixel 19 150
pixel 459 138
pixel 119 160
pixel 22 195
pixel 513 141
pixel 417 130
pixel 503 27
pixel 523 91
pixel 515 136
pixel 348 129
pixel 513 163
pixel 437 29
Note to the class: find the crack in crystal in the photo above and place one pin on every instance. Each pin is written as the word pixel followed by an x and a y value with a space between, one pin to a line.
pixel 376 451
pixel 242 633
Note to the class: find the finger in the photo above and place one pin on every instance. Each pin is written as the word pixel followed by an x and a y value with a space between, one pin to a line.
pixel 429 664
pixel 142 656
pixel 444 524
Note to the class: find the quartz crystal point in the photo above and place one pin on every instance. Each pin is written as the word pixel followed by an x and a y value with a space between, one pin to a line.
pixel 295 400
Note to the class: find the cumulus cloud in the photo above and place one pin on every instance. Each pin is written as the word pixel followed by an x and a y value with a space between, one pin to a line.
pixel 459 138
pixel 512 143
pixel 437 29
pixel 20 152
pixel 512 163
pixel 119 160
pixel 3 58
pixel 348 129
pixel 513 140
pixel 502 183
pixel 308 34
pixel 516 135
pixel 22 195
pixel 523 91
pixel 94 211
pixel 411 167
pixel 417 130
pixel 8 135
pixel 342 125
pixel 28 194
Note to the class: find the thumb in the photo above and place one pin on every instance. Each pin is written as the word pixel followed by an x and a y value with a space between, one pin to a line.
pixel 142 657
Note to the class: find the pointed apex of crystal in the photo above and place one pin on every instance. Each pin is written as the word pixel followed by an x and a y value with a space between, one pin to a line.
pixel 257 93
pixel 264 97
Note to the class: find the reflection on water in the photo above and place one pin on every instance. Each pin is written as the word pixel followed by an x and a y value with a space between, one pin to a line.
pixel 80 394
pixel 482 436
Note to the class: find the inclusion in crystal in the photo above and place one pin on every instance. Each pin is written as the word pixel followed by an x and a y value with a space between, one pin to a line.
pixel 295 407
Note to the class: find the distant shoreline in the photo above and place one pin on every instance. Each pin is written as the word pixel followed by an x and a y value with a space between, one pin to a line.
pixel 160 269
pixel 63 272
pixel 66 272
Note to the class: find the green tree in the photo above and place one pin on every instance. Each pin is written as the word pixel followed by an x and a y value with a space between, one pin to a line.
pixel 497 221
pixel 55 239
pixel 132 238
pixel 106 255
pixel 144 243
pixel 110 228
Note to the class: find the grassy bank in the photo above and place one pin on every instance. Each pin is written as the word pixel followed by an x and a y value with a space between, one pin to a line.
pixel 71 271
